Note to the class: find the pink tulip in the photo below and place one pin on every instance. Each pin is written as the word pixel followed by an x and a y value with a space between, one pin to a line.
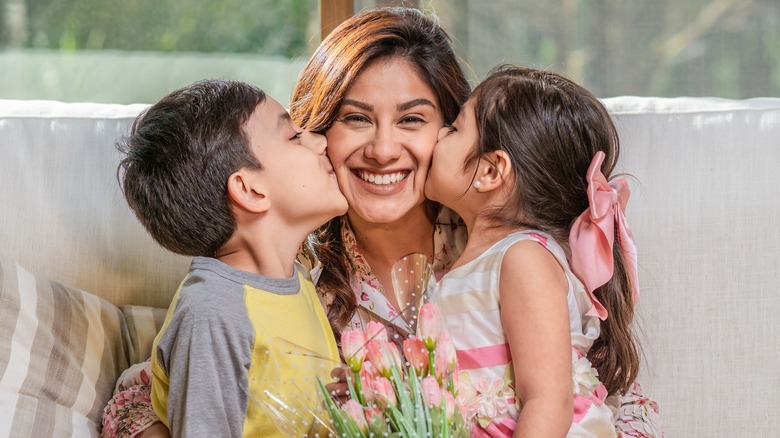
pixel 383 391
pixel 449 403
pixel 446 349
pixel 416 354
pixel 439 363
pixel 374 413
pixel 429 325
pixel 353 345
pixel 368 372
pixel 432 391
pixel 376 331
pixel 367 376
pixel 383 355
pixel 355 411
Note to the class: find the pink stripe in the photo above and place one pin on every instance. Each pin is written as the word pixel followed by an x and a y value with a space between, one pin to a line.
pixel 504 429
pixel 582 404
pixel 483 357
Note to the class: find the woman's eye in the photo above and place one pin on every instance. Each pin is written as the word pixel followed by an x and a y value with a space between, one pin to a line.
pixel 355 118
pixel 451 129
pixel 412 120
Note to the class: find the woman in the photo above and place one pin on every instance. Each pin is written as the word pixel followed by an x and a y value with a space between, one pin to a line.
pixel 380 87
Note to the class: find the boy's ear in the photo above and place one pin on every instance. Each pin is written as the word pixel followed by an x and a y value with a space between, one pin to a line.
pixel 495 169
pixel 246 189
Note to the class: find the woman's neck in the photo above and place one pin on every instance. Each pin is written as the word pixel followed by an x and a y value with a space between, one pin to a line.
pixel 388 242
pixel 384 244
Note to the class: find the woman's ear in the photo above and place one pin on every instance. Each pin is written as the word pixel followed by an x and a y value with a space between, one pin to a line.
pixel 247 191
pixel 494 170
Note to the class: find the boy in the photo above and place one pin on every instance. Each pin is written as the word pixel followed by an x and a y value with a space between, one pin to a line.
pixel 218 171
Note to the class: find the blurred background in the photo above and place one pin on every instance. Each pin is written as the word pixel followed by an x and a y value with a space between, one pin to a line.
pixel 137 51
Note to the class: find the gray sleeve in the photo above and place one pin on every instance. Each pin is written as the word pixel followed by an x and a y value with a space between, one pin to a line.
pixel 208 346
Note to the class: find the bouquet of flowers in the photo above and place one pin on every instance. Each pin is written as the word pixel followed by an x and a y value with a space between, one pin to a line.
pixel 402 395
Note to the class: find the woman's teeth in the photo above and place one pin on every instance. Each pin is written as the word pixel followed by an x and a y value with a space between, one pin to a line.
pixel 388 178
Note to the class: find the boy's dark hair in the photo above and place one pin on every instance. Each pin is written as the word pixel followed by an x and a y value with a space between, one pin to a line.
pixel 178 157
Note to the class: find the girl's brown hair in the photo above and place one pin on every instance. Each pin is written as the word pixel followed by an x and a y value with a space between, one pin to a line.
pixel 551 128
pixel 374 34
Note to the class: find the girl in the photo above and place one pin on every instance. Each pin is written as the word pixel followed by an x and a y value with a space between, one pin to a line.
pixel 540 303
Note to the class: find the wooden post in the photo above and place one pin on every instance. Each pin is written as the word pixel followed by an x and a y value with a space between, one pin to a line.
pixel 332 13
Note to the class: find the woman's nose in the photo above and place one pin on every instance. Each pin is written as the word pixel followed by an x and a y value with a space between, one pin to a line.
pixel 384 148
pixel 316 142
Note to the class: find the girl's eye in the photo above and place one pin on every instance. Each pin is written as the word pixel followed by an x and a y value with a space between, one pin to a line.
pixel 297 136
pixel 451 129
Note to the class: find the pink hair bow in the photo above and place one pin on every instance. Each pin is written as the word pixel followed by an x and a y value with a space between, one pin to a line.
pixel 592 235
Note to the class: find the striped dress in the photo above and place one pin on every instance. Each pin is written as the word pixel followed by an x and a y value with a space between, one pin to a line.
pixel 468 298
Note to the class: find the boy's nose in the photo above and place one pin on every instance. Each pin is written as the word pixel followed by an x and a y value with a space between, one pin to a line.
pixel 316 142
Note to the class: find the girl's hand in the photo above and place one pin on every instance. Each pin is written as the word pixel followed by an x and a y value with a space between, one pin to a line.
pixel 338 389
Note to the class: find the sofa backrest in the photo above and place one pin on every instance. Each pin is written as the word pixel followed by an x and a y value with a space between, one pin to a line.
pixel 705 211
pixel 61 210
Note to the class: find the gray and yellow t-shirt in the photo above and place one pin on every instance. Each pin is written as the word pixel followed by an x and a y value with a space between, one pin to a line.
pixel 231 339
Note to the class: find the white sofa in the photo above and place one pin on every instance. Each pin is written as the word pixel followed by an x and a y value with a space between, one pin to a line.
pixel 82 286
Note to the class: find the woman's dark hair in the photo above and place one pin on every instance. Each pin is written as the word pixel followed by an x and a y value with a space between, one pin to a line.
pixel 371 35
pixel 551 128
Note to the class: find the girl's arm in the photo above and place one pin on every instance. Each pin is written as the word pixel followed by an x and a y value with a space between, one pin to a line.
pixel 535 317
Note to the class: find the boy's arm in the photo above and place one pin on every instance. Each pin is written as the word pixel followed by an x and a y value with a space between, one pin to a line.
pixel 208 355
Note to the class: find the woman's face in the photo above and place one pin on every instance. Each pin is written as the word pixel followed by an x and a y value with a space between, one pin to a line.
pixel 382 141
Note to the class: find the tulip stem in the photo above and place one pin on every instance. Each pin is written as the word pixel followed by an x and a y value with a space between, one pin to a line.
pixel 431 367
pixel 359 389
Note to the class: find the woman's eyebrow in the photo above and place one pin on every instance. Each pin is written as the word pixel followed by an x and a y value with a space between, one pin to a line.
pixel 413 103
pixel 358 104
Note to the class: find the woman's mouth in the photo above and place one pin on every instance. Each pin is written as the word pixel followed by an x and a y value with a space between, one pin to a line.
pixel 382 179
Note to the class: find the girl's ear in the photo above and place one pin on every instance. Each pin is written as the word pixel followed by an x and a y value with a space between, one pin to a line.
pixel 247 191
pixel 495 169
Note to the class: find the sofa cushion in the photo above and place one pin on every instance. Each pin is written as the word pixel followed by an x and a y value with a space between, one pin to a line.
pixel 143 323
pixel 62 350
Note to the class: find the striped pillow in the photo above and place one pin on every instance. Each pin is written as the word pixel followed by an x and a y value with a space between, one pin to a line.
pixel 61 352
pixel 143 323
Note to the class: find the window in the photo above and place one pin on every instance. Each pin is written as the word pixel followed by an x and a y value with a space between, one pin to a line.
pixel 138 51
pixel 123 52
pixel 724 48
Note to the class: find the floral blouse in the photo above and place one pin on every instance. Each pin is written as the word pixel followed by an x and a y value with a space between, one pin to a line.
pixel 449 241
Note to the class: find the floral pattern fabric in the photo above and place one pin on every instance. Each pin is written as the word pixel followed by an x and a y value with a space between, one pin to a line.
pixel 449 240
pixel 130 411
